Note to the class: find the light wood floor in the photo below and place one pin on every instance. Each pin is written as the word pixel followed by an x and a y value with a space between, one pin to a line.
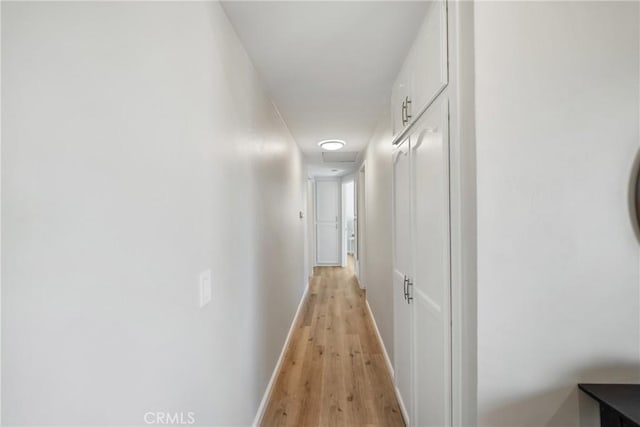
pixel 334 372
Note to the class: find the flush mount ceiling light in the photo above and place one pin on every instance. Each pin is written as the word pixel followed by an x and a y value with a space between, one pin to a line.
pixel 331 144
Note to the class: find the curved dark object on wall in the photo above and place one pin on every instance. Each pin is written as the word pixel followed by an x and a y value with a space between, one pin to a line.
pixel 634 195
pixel 637 197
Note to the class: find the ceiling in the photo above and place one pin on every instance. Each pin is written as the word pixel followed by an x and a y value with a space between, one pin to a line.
pixel 328 65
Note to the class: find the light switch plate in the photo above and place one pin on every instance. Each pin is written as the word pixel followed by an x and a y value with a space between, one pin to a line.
pixel 205 288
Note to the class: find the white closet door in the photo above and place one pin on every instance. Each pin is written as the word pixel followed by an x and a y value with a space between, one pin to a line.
pixel 431 288
pixel 327 222
pixel 402 269
pixel 429 70
pixel 400 92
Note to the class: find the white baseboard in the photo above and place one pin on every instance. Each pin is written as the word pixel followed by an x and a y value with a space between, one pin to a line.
pixel 267 393
pixel 403 409
pixel 360 284
pixel 384 348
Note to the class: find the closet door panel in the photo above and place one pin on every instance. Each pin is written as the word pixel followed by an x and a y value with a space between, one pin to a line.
pixel 431 335
pixel 400 92
pixel 401 268
pixel 429 60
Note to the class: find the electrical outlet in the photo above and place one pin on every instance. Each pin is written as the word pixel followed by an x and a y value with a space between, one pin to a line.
pixel 205 288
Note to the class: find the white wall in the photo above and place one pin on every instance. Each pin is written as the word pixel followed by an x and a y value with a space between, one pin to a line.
pixel 557 100
pixel 377 232
pixel 139 148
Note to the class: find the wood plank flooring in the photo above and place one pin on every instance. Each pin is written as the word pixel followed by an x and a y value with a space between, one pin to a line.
pixel 333 372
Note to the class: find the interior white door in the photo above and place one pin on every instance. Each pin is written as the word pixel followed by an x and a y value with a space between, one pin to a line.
pixel 402 271
pixel 328 222
pixel 431 289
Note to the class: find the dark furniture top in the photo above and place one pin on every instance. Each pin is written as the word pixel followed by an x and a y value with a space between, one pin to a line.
pixel 621 400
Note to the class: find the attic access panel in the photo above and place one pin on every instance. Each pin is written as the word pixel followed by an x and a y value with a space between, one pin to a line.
pixel 339 157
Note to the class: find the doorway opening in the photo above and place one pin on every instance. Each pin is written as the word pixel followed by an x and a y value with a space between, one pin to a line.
pixel 360 221
pixel 349 240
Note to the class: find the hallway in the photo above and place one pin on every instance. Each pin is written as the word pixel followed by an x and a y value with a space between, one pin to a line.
pixel 318 213
pixel 334 371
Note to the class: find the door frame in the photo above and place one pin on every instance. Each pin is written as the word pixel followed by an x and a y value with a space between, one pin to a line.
pixel 463 208
pixel 310 226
